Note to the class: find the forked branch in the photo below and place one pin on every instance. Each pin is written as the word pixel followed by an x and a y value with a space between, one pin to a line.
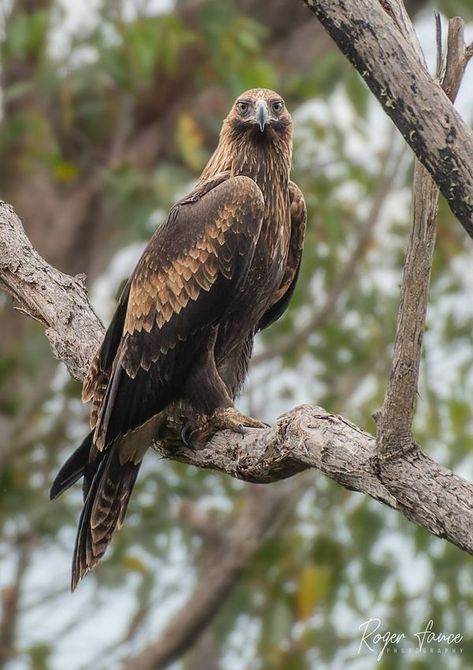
pixel 395 424
pixel 307 437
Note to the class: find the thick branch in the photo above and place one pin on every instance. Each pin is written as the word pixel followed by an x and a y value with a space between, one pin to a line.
pixel 372 37
pixel 57 300
pixel 309 437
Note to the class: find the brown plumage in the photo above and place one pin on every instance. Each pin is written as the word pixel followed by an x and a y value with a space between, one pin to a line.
pixel 222 266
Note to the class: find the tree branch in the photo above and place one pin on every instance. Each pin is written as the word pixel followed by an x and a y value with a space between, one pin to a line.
pixel 55 299
pixel 395 424
pixel 309 437
pixel 305 438
pixel 372 36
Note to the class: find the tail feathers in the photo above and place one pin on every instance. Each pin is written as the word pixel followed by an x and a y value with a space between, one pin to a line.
pixel 104 510
pixel 73 469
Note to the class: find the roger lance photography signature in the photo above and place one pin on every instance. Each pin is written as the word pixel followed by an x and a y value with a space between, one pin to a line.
pixel 427 641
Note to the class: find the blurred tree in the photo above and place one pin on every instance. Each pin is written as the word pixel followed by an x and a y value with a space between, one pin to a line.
pixel 108 113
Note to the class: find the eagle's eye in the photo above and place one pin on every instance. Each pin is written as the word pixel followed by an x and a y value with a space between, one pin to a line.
pixel 277 106
pixel 243 107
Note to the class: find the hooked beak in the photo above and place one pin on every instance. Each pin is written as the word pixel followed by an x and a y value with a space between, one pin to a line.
pixel 262 114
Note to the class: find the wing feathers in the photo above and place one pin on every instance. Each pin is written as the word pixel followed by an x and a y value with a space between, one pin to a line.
pixel 229 218
pixel 183 283
pixel 188 276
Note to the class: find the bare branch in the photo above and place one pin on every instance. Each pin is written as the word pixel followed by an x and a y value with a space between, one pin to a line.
pixel 57 300
pixel 395 425
pixel 456 58
pixel 310 437
pixel 390 63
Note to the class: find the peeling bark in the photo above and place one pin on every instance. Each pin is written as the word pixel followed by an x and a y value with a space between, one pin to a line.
pixel 55 299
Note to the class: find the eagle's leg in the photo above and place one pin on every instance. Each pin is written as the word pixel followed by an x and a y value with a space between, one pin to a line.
pixel 233 367
pixel 204 392
pixel 213 388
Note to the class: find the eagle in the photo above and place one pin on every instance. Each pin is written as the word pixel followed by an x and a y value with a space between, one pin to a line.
pixel 220 268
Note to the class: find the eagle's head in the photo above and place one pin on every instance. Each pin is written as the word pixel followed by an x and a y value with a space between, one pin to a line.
pixel 256 138
pixel 260 115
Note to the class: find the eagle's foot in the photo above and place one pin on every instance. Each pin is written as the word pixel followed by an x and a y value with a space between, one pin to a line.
pixel 196 434
pixel 231 419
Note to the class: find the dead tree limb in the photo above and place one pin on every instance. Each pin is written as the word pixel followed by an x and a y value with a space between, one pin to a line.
pixel 376 37
pixel 395 424
pixel 309 437
pixel 53 298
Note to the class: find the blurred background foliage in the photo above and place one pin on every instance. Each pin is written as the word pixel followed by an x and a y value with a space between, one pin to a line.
pixel 110 109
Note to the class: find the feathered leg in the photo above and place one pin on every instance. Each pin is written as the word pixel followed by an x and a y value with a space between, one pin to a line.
pixel 233 367
pixel 211 396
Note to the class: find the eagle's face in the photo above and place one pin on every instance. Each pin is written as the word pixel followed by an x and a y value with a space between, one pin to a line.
pixel 261 115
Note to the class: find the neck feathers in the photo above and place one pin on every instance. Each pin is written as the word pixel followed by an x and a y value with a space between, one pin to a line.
pixel 264 158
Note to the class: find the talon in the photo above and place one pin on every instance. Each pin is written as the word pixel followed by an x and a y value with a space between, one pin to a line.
pixel 186 432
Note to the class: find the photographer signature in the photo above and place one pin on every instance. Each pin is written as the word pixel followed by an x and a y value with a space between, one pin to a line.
pixel 370 636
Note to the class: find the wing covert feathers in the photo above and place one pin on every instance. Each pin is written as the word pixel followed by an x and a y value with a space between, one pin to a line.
pixel 206 233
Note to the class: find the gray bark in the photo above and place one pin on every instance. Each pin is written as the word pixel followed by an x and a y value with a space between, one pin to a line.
pixel 372 35
pixel 55 299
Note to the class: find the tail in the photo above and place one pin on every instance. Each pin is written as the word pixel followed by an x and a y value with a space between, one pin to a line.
pixel 108 484
pixel 73 469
